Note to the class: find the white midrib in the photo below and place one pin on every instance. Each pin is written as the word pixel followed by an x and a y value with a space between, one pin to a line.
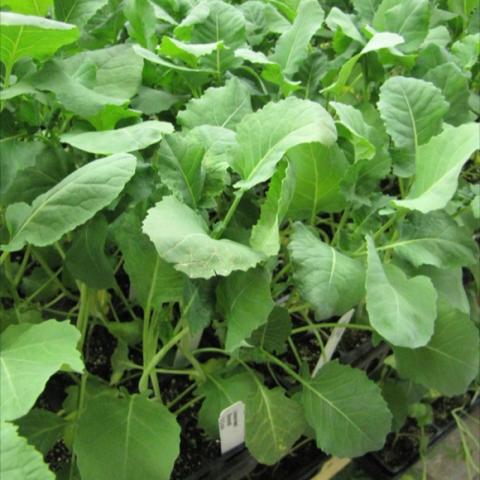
pixel 127 437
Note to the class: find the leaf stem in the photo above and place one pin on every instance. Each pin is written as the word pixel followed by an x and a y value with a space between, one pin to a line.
pixel 341 224
pixel 228 217
pixel 321 325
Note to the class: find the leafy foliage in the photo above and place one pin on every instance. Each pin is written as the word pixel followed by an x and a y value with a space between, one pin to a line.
pixel 212 184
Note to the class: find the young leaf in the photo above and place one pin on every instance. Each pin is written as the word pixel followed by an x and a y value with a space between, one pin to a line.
pixel 438 164
pixel 450 361
pixel 42 428
pixel 318 171
pixel 73 201
pixel 18 459
pixel 412 110
pixel 142 439
pixel 221 106
pixel 265 236
pixel 86 258
pixel 78 13
pixel 180 158
pixel 152 279
pixel 181 237
pixel 266 135
pixel 141 22
pixel 409 18
pixel 246 303
pixel 189 53
pixel 346 410
pixel 435 239
pixel 30 355
pixel 401 309
pixel 274 423
pixel 122 140
pixel 292 47
pixel 273 335
pixel 27 36
pixel 330 281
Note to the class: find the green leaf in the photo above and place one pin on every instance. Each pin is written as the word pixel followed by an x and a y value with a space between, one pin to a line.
pixel 337 19
pixel 401 309
pixel 319 171
pixel 450 361
pixel 292 47
pixel 142 439
pixel 187 52
pixel 30 355
pixel 412 110
pixel 42 428
pixel 246 302
pixel 409 18
pixel 453 84
pixel 261 146
pixel 27 36
pixel 329 280
pixel 345 424
pixel 152 279
pixel 86 258
pixel 180 158
pixel 435 239
pixel 18 459
pixel 273 423
pixel 366 8
pixel 73 201
pixel 265 235
pixel 378 42
pixel 141 22
pixel 78 13
pixel 359 132
pixel 181 237
pixel 222 106
pixel 467 50
pixel 198 304
pixel 219 394
pixel 438 164
pixel 28 7
pixel 123 140
pixel 150 101
pixel 273 335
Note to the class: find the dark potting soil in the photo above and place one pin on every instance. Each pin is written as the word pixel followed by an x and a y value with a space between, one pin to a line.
pixel 98 352
pixel 58 457
pixel 55 392
pixel 443 406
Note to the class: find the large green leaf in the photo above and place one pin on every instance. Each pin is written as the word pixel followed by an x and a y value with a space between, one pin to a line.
pixel 329 280
pixel 122 140
pixel 450 361
pixel 181 237
pixel 409 18
pixel 28 7
pixel 18 459
pixel 401 309
pixel 246 303
pixel 341 21
pixel 180 158
pixel 318 171
pixel 292 47
pixel 152 279
pixel 141 439
pixel 27 36
pixel 30 355
pixel 221 106
pixel 273 336
pixel 346 410
pixel 266 135
pixel 412 110
pixel 189 53
pixel 269 435
pixel 438 164
pixel 86 259
pixel 265 236
pixel 70 203
pixel 435 239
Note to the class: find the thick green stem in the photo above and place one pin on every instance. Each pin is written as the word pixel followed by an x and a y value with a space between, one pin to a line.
pixel 341 224
pixel 228 217
pixel 321 325
pixel 83 314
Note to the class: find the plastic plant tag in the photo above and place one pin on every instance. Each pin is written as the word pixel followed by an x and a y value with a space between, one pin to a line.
pixel 333 341
pixel 231 424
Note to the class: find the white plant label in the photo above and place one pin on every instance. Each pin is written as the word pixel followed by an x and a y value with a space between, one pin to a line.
pixel 231 424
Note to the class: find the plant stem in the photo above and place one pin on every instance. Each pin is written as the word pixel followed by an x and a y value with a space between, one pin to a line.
pixel 193 401
pixel 4 256
pixel 341 224
pixel 23 266
pixel 233 207
pixel 181 395
pixel 315 326
pixel 83 314
pixel 149 369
